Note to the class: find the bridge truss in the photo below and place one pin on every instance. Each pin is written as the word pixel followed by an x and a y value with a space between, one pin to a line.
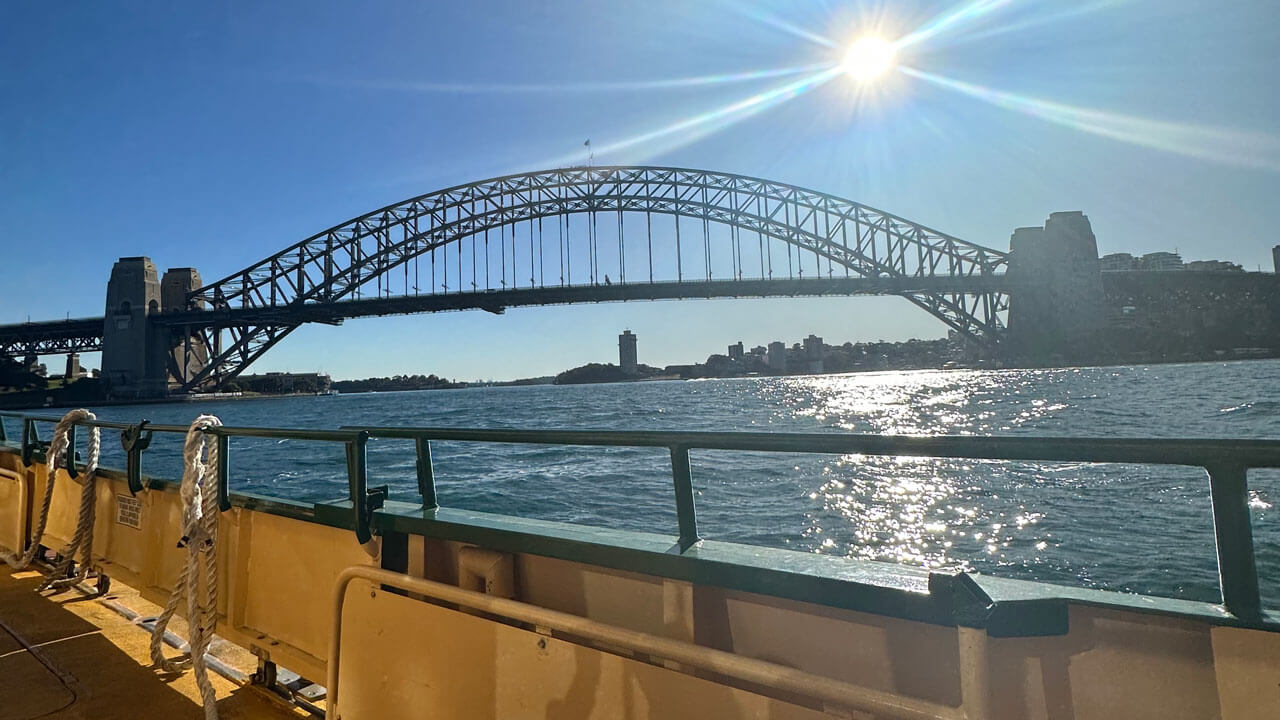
pixel 56 337
pixel 543 230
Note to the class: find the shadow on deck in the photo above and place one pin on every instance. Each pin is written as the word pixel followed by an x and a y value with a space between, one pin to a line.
pixel 68 656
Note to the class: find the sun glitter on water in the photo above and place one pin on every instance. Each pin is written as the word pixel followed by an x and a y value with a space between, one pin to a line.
pixel 869 58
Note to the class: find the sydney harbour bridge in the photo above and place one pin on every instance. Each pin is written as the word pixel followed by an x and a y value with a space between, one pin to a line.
pixel 570 235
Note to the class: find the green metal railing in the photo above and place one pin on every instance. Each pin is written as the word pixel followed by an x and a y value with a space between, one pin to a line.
pixel 1226 462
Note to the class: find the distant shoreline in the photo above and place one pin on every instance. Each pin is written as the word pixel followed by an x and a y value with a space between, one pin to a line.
pixel 7 404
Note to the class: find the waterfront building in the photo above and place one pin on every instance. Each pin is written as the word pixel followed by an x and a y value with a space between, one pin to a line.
pixel 736 351
pixel 627 353
pixel 1117 262
pixel 778 356
pixel 285 383
pixel 74 370
pixel 1275 258
pixel 814 353
pixel 1161 261
pixel 1212 266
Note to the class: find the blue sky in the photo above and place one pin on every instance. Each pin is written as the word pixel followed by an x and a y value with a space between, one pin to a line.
pixel 214 134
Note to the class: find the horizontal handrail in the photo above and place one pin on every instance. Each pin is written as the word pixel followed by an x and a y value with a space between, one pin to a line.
pixel 1226 461
pixel 1197 452
pixel 340 435
pixel 831 692
pixel 363 502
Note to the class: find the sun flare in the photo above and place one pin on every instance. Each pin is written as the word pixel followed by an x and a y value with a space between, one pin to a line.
pixel 869 58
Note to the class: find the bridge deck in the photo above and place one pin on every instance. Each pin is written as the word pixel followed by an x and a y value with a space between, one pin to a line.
pixel 69 656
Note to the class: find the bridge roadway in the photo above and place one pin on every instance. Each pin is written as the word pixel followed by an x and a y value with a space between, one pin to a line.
pixel 51 337
pixel 85 334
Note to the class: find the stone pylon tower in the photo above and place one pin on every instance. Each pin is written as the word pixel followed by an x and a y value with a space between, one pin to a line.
pixel 1056 304
pixel 133 350
pixel 188 354
pixel 627 353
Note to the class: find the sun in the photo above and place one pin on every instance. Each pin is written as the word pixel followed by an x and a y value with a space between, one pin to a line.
pixel 869 58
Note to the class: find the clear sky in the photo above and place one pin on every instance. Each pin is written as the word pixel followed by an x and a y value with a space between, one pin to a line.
pixel 214 134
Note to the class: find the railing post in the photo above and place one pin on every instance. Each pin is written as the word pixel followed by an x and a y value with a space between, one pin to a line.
pixel 683 480
pixel 426 474
pixel 224 472
pixel 30 439
pixel 363 501
pixel 1237 572
pixel 71 451
pixel 134 440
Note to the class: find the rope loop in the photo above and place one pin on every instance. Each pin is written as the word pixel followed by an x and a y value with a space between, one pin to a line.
pixel 198 579
pixel 82 541
pixel 60 455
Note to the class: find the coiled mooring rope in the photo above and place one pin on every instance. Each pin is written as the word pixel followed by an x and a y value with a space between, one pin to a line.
pixel 199 494
pixel 82 540
pixel 60 454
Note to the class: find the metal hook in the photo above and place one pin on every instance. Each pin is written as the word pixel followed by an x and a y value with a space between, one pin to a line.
pixel 30 440
pixel 70 452
pixel 135 439
pixel 364 500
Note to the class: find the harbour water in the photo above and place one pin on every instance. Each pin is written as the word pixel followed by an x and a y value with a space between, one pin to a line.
pixel 1130 528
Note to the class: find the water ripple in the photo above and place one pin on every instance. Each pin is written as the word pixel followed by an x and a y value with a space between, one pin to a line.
pixel 1137 528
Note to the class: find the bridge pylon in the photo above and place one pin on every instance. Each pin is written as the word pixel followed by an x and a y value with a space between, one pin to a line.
pixel 142 358
pixel 1056 303
pixel 133 348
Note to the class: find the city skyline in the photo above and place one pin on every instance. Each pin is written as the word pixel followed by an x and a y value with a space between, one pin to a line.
pixel 213 137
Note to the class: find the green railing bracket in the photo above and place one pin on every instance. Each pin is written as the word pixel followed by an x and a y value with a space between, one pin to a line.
pixel 70 452
pixel 224 472
pixel 134 439
pixel 364 501
pixel 30 440
pixel 426 474
pixel 72 455
pixel 1233 531
pixel 971 606
pixel 682 479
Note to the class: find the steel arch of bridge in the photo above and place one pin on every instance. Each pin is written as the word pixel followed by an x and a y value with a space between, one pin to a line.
pixel 341 262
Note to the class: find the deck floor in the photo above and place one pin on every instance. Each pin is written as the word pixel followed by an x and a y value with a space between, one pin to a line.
pixel 69 656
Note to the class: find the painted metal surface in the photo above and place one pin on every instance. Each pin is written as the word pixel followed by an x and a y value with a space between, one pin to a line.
pixel 917 637
pixel 1226 461
pixel 830 693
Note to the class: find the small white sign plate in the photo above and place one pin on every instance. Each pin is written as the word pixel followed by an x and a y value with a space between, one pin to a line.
pixel 129 511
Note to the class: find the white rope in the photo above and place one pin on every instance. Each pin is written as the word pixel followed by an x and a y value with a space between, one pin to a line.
pixel 199 494
pixel 58 456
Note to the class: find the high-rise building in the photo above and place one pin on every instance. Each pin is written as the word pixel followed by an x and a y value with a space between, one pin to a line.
pixel 736 351
pixel 778 356
pixel 627 353
pixel 1275 258
pixel 814 351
